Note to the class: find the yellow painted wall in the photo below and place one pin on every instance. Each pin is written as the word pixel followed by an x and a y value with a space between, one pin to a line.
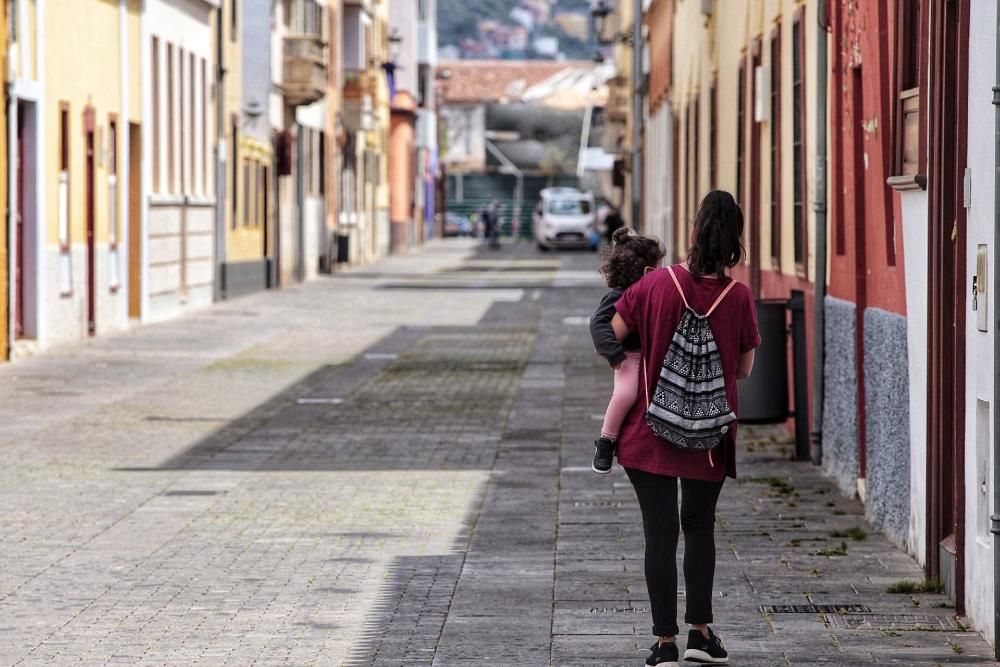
pixel 704 49
pixel 134 60
pixel 72 28
pixel 379 137
pixel 246 240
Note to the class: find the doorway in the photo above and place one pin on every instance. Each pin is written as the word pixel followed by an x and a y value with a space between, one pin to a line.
pixel 25 229
pixel 88 134
pixel 134 221
pixel 947 120
pixel 860 260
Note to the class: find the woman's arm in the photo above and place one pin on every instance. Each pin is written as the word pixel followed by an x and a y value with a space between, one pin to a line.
pixel 746 365
pixel 621 329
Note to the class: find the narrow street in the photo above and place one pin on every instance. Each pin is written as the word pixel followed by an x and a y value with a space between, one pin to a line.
pixel 392 466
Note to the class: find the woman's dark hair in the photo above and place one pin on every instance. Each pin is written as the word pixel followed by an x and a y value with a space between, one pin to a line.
pixel 717 242
pixel 626 260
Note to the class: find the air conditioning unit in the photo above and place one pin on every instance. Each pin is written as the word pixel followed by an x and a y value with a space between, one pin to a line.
pixel 762 94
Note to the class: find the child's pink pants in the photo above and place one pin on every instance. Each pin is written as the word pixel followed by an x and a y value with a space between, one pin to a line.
pixel 624 395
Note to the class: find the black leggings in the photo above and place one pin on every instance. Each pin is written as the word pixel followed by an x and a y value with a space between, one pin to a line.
pixel 657 496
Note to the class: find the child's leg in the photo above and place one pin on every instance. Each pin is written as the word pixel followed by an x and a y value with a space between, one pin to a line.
pixel 623 396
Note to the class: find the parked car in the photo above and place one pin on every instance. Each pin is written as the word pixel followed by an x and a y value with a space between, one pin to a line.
pixel 564 218
pixel 458 225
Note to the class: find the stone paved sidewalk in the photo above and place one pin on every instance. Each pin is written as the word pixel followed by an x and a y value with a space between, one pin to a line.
pixel 392 467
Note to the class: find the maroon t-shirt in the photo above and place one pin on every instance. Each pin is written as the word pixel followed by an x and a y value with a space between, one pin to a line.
pixel 652 308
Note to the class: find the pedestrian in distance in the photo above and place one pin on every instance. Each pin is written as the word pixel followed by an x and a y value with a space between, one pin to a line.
pixel 628 258
pixel 612 223
pixel 491 224
pixel 697 329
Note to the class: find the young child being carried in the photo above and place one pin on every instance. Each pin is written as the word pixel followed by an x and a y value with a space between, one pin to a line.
pixel 628 259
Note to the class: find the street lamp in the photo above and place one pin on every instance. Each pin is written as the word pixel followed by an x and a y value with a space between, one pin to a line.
pixel 600 10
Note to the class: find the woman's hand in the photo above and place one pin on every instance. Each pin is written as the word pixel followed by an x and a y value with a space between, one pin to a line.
pixel 745 366
pixel 621 329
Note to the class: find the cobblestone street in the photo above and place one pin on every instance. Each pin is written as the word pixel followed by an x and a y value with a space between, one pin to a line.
pixel 392 466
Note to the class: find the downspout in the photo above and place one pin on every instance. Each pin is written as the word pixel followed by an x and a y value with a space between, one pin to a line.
pixel 995 515
pixel 636 112
pixel 300 220
pixel 819 207
pixel 219 289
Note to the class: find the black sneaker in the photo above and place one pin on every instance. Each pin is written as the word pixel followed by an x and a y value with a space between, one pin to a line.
pixel 604 455
pixel 707 651
pixel 664 655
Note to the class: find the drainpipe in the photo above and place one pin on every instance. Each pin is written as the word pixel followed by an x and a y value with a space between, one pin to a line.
pixel 636 110
pixel 300 221
pixel 995 518
pixel 819 207
pixel 219 289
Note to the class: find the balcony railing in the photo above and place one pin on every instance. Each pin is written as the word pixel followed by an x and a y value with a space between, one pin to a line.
pixel 305 75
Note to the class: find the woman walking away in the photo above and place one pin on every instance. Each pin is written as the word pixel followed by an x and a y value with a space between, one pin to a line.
pixel 630 257
pixel 698 333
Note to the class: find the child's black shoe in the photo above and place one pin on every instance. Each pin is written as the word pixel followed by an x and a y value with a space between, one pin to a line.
pixel 604 455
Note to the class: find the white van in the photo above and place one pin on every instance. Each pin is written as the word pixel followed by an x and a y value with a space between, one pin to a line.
pixel 565 218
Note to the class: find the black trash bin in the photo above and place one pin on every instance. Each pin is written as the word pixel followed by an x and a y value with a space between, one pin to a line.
pixel 343 248
pixel 764 395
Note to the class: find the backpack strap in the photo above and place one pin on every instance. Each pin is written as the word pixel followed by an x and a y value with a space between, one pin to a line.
pixel 670 270
pixel 730 286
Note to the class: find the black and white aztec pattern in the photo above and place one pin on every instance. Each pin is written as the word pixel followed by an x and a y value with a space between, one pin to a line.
pixel 689 408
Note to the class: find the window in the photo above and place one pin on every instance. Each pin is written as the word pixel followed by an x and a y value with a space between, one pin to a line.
pixel 713 119
pixel 65 282
pixel 741 129
pixel 182 104
pixel 776 146
pixel 155 76
pixel 171 176
pixel 192 133
pixel 233 20
pixel 234 123
pixel 247 198
pixel 204 127
pixel 799 188
pixel 696 159
pixel 908 156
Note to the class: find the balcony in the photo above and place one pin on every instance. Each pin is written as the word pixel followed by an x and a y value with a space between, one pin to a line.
pixel 359 89
pixel 304 77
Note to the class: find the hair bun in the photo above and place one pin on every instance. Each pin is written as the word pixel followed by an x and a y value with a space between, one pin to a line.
pixel 621 234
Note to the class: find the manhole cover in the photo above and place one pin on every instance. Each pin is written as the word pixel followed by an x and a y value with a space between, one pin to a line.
pixel 815 609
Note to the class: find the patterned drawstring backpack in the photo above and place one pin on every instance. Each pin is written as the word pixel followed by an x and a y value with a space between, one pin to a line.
pixel 689 408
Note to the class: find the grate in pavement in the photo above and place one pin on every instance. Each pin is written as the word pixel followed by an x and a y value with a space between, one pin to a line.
pixel 191 492
pixel 618 610
pixel 815 609
pixel 923 622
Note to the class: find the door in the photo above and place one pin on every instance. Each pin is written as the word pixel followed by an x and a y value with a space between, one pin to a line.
pixel 88 129
pixel 859 172
pixel 134 221
pixel 20 274
pixel 754 180
pixel 949 31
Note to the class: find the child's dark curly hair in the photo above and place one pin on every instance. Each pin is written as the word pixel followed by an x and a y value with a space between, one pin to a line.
pixel 628 257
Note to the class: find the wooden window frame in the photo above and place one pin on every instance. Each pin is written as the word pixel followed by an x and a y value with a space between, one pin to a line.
pixel 909 90
pixel 741 132
pixel 182 103
pixel 171 119
pixel 713 134
pixel 800 190
pixel 204 128
pixel 193 134
pixel 247 192
pixel 775 128
pixel 155 84
pixel 696 162
pixel 234 155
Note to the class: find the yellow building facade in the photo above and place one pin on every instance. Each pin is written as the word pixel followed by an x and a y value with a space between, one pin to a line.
pixel 88 181
pixel 743 105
